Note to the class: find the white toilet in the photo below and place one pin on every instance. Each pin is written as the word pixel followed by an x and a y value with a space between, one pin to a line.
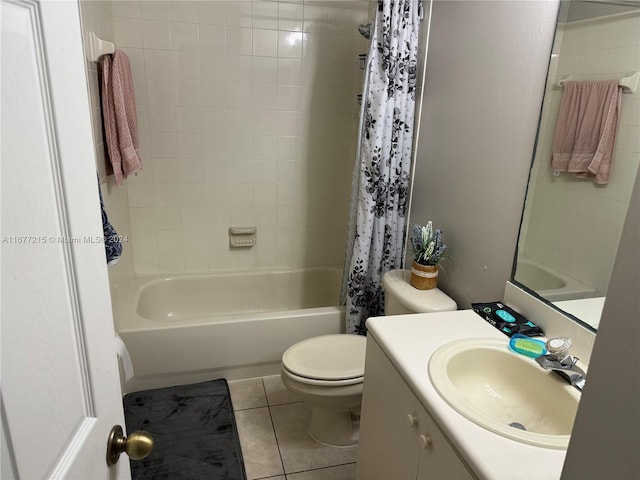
pixel 328 371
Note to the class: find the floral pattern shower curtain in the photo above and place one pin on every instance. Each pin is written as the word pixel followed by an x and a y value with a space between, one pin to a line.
pixel 381 176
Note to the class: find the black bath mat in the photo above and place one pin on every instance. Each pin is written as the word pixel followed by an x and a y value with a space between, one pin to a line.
pixel 194 432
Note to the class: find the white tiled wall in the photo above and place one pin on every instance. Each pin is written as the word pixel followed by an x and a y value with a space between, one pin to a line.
pixel 248 116
pixel 97 17
pixel 581 238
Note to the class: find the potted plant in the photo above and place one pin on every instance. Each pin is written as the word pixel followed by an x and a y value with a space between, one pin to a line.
pixel 428 250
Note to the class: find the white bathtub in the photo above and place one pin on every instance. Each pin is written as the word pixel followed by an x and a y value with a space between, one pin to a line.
pixel 550 283
pixel 185 329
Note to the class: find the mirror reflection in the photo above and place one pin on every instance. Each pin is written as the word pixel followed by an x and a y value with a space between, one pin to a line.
pixel 571 226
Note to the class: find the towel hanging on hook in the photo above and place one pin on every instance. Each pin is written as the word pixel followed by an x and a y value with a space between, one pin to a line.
pixel 586 129
pixel 119 116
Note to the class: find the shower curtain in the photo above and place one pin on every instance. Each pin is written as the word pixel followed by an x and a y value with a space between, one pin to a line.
pixel 381 176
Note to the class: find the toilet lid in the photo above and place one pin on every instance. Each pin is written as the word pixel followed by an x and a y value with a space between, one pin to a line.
pixel 328 357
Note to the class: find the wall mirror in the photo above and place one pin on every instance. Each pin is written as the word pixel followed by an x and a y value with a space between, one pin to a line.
pixel 571 226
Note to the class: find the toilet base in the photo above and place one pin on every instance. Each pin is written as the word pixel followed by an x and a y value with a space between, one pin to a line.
pixel 335 427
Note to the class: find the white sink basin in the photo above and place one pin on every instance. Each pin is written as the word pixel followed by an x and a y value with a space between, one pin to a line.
pixel 503 391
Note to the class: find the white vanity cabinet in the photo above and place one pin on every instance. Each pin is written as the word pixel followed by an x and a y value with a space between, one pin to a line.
pixel 398 438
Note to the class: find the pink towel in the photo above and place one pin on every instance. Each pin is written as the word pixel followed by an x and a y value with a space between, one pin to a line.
pixel 119 115
pixel 586 129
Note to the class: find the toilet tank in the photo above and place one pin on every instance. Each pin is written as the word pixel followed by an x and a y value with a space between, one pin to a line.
pixel 401 298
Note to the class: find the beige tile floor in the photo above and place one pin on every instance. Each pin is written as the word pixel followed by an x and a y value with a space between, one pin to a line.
pixel 273 425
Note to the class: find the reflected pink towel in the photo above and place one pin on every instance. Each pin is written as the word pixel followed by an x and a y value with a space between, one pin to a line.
pixel 119 116
pixel 586 129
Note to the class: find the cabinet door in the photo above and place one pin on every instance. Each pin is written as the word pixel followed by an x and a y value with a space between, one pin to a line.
pixel 388 447
pixel 438 459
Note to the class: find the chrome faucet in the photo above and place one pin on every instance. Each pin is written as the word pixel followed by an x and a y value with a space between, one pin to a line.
pixel 559 361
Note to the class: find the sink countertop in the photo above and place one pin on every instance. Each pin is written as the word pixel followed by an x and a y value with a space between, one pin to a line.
pixel 409 341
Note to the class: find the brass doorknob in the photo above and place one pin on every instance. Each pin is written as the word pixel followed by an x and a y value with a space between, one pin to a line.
pixel 138 445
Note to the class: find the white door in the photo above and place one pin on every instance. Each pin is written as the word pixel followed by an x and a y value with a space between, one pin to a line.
pixel 60 385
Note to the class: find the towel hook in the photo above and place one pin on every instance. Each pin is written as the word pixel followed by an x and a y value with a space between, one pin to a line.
pixel 96 47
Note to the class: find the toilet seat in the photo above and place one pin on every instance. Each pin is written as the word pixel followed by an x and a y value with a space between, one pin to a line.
pixel 330 360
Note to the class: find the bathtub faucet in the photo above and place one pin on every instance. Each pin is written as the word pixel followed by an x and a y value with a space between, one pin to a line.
pixel 559 361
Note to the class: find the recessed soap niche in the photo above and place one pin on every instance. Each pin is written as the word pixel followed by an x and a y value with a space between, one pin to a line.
pixel 242 237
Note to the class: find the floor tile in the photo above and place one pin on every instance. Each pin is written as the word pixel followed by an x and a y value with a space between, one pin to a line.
pixel 339 472
pixel 247 393
pixel 279 477
pixel 258 442
pixel 298 450
pixel 277 393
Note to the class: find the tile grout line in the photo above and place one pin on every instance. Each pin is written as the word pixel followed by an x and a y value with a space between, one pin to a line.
pixel 249 408
pixel 275 435
pixel 258 407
